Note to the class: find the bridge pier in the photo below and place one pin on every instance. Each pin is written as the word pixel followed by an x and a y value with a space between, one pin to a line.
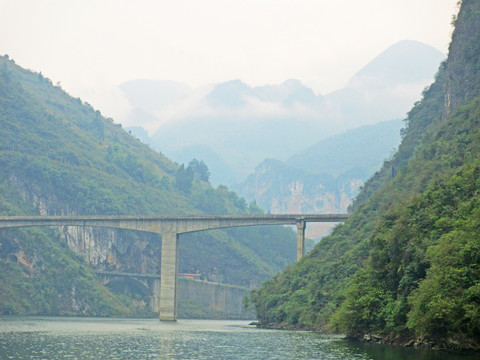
pixel 300 239
pixel 155 303
pixel 168 277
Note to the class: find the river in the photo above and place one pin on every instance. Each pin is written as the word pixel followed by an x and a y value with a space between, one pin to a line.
pixel 101 338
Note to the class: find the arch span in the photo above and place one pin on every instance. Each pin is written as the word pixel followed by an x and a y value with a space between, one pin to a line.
pixel 170 226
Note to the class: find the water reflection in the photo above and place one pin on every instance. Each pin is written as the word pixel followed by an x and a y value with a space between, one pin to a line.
pixel 93 338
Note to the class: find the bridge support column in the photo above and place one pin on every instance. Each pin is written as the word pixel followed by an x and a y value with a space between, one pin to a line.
pixel 300 239
pixel 155 304
pixel 168 277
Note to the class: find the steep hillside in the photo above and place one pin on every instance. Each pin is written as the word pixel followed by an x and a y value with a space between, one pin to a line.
pixel 406 263
pixel 59 156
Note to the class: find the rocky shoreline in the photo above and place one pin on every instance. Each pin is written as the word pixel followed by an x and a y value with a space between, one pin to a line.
pixel 453 345
pixel 443 344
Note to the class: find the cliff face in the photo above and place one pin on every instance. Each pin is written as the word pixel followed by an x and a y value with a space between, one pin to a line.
pixel 462 68
pixel 101 248
pixel 284 189
pixel 300 197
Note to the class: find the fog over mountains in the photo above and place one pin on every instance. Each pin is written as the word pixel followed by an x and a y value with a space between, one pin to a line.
pixel 233 126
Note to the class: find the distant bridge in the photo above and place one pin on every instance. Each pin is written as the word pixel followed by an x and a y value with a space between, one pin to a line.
pixel 170 226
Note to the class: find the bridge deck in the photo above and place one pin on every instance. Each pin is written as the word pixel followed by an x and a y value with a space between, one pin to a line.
pixel 284 217
pixel 164 224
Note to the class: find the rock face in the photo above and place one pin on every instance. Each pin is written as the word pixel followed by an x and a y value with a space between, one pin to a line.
pixel 101 248
pixel 302 197
pixel 114 250
pixel 283 189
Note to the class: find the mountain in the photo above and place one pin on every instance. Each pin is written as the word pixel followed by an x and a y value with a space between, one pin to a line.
pixel 325 177
pixel 405 265
pixel 59 156
pixel 407 61
pixel 365 147
pixel 289 92
pixel 244 125
pixel 388 85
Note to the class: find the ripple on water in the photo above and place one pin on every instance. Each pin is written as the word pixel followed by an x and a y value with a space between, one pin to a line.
pixel 87 338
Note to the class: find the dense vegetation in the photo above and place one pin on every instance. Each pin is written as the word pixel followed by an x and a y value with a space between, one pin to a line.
pixel 59 156
pixel 407 262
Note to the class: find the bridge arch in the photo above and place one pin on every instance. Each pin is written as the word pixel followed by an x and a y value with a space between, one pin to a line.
pixel 170 226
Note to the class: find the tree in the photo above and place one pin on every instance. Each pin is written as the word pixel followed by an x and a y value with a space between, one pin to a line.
pixel 184 178
pixel 200 168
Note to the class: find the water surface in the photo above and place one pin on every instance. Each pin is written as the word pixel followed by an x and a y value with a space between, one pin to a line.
pixel 99 338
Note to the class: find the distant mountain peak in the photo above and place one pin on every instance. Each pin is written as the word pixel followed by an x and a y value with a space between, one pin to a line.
pixel 288 92
pixel 406 61
pixel 293 84
pixel 230 93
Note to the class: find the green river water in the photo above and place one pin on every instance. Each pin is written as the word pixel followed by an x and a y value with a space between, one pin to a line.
pixel 99 338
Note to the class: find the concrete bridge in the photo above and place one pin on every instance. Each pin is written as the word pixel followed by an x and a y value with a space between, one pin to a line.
pixel 170 226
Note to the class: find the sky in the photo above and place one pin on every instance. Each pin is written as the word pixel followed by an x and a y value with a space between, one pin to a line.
pixel 90 46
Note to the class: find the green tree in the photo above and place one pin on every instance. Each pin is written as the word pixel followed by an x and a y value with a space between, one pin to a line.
pixel 184 178
pixel 200 169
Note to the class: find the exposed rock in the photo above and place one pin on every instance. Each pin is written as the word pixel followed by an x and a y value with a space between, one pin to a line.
pixel 422 342
pixel 410 343
pixel 373 338
pixel 282 189
pixel 101 248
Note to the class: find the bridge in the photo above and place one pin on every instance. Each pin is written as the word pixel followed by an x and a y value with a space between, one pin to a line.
pixel 170 226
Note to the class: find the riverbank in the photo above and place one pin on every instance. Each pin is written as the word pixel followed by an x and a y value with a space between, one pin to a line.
pixel 451 344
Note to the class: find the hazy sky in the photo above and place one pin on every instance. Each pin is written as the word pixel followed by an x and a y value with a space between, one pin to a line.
pixel 92 45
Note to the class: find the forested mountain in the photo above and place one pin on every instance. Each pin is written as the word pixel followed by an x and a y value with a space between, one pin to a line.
pixel 59 156
pixel 406 264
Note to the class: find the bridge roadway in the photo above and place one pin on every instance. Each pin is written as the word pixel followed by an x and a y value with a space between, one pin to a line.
pixel 170 226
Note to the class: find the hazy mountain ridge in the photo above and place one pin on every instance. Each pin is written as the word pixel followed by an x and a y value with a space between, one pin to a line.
pixel 364 147
pixel 244 125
